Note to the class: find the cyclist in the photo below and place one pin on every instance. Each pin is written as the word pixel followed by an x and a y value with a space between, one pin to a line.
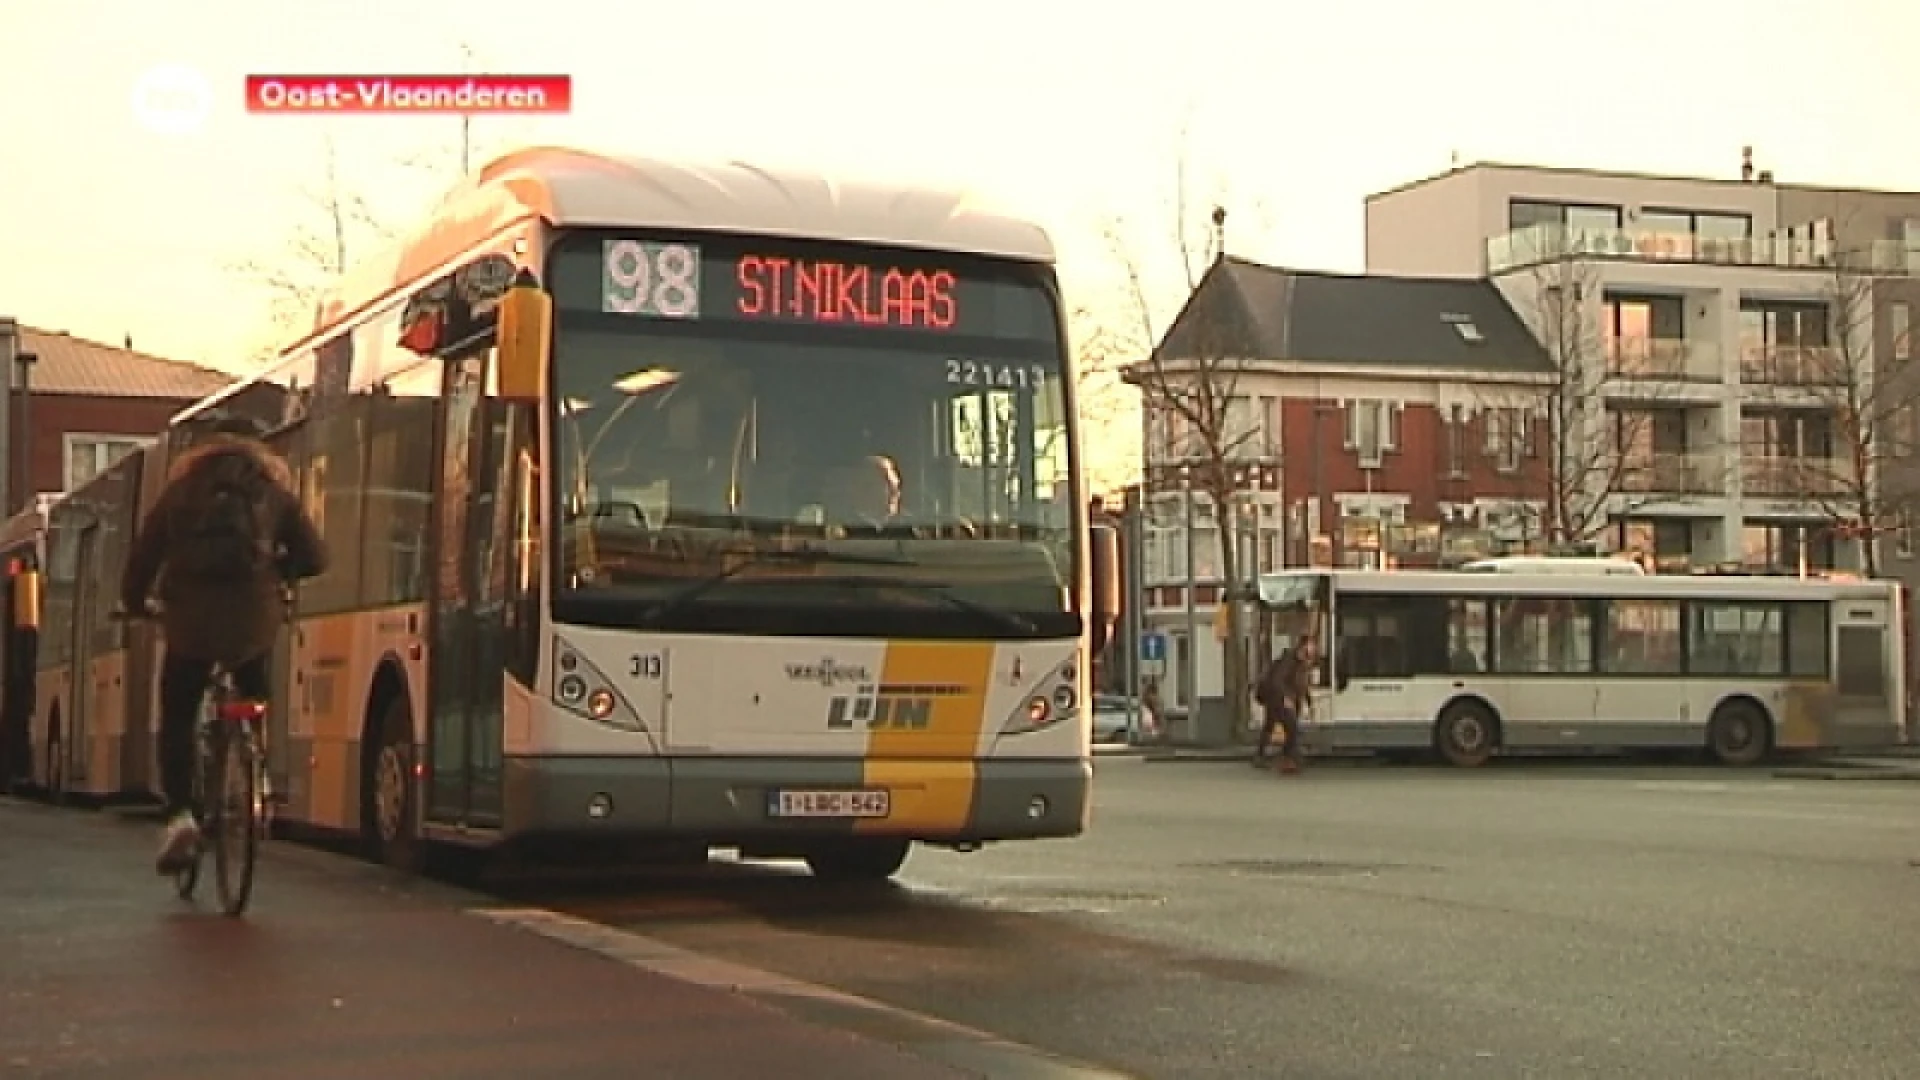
pixel 222 541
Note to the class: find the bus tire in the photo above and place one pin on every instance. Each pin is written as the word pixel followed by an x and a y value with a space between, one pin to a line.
pixel 389 816
pixel 866 858
pixel 1466 734
pixel 1739 735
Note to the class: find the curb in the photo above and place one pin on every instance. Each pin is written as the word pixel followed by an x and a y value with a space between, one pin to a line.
pixel 1881 773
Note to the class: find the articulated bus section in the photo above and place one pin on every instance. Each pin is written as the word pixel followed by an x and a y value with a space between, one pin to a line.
pixel 94 692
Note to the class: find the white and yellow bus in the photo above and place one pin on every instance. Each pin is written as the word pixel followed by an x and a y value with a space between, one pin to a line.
pixel 1468 665
pixel 91 733
pixel 23 547
pixel 586 452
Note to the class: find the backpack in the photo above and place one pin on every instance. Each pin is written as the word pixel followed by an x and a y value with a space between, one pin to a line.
pixel 221 533
pixel 1271 690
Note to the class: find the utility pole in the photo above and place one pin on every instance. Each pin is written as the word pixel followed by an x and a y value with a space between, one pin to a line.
pixel 9 355
pixel 1190 668
pixel 25 361
pixel 1134 537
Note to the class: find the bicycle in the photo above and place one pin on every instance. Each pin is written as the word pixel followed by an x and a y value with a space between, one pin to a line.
pixel 229 757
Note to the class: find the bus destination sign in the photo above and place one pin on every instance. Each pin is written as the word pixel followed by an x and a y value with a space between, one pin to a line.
pixel 674 280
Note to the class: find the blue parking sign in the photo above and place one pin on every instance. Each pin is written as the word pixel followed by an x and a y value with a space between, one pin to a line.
pixel 1153 647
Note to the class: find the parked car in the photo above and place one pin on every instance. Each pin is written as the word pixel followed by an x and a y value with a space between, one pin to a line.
pixel 1110 719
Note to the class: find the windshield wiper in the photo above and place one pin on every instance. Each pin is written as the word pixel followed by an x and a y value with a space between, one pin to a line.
pixel 938 590
pixel 763 557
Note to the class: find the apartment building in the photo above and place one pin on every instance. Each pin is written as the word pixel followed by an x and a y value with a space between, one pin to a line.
pixel 1736 350
pixel 1368 420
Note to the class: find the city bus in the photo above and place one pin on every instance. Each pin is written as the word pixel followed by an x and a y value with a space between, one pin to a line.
pixel 716 507
pixel 22 552
pixel 95 680
pixel 1470 665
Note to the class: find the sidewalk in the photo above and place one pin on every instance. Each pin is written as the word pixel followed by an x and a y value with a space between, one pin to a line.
pixel 342 970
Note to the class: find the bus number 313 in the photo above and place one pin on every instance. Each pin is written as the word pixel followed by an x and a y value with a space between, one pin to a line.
pixel 644 665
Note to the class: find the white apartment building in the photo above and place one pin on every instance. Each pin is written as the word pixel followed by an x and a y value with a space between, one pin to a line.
pixel 1716 322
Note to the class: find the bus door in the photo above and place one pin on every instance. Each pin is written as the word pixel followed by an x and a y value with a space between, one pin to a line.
pixel 1373 669
pixel 467 677
pixel 77 726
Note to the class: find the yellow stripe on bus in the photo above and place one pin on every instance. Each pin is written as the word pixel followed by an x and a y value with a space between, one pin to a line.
pixel 926 731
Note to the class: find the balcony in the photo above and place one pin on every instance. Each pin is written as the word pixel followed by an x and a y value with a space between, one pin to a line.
pixel 1792 365
pixel 1698 473
pixel 1780 477
pixel 1543 243
pixel 1662 360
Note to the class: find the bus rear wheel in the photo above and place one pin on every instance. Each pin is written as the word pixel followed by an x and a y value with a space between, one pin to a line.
pixel 867 858
pixel 1466 734
pixel 1738 735
pixel 390 792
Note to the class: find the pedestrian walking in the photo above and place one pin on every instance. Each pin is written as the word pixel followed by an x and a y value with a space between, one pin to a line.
pixel 1284 692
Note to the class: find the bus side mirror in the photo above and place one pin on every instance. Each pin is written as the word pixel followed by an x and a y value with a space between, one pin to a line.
pixel 525 337
pixel 1103 593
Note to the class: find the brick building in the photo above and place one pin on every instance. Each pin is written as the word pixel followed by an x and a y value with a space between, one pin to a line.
pixel 84 404
pixel 1374 420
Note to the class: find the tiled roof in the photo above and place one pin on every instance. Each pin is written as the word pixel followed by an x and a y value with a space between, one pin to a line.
pixel 71 365
pixel 1365 319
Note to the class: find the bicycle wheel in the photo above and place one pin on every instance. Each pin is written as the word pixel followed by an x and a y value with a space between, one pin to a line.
pixel 237 832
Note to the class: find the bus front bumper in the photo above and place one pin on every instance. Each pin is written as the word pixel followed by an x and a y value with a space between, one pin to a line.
pixel 726 800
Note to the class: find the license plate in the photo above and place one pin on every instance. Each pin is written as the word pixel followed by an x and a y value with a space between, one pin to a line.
pixel 871 803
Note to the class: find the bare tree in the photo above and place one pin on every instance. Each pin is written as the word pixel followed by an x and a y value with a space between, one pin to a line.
pixel 1581 447
pixel 336 225
pixel 444 161
pixel 1195 412
pixel 1863 486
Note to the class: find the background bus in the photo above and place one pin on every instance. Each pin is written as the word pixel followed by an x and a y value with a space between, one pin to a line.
pixel 1468 665
pixel 23 539
pixel 95 687
pixel 585 451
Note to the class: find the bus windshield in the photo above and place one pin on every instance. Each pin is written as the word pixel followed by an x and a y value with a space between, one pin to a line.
pixel 911 440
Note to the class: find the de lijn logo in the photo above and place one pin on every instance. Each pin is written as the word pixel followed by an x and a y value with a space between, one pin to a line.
pixel 172 99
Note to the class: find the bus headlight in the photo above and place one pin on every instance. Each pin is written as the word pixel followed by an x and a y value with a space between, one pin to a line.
pixel 584 691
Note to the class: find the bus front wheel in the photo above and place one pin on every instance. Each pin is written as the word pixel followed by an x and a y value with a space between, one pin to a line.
pixel 868 858
pixel 1466 734
pixel 1738 735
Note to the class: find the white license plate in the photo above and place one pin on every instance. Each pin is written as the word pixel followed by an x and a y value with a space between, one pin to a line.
pixel 872 803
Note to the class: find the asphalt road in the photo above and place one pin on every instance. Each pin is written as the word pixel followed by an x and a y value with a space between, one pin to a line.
pixel 1537 920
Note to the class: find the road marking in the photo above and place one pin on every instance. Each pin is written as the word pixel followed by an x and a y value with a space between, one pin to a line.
pixel 1697 786
pixel 651 954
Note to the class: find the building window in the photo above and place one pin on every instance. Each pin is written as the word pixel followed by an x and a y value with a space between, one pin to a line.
pixel 1527 213
pixel 1900 316
pixel 1506 438
pixel 1370 430
pixel 1457 442
pixel 87 456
